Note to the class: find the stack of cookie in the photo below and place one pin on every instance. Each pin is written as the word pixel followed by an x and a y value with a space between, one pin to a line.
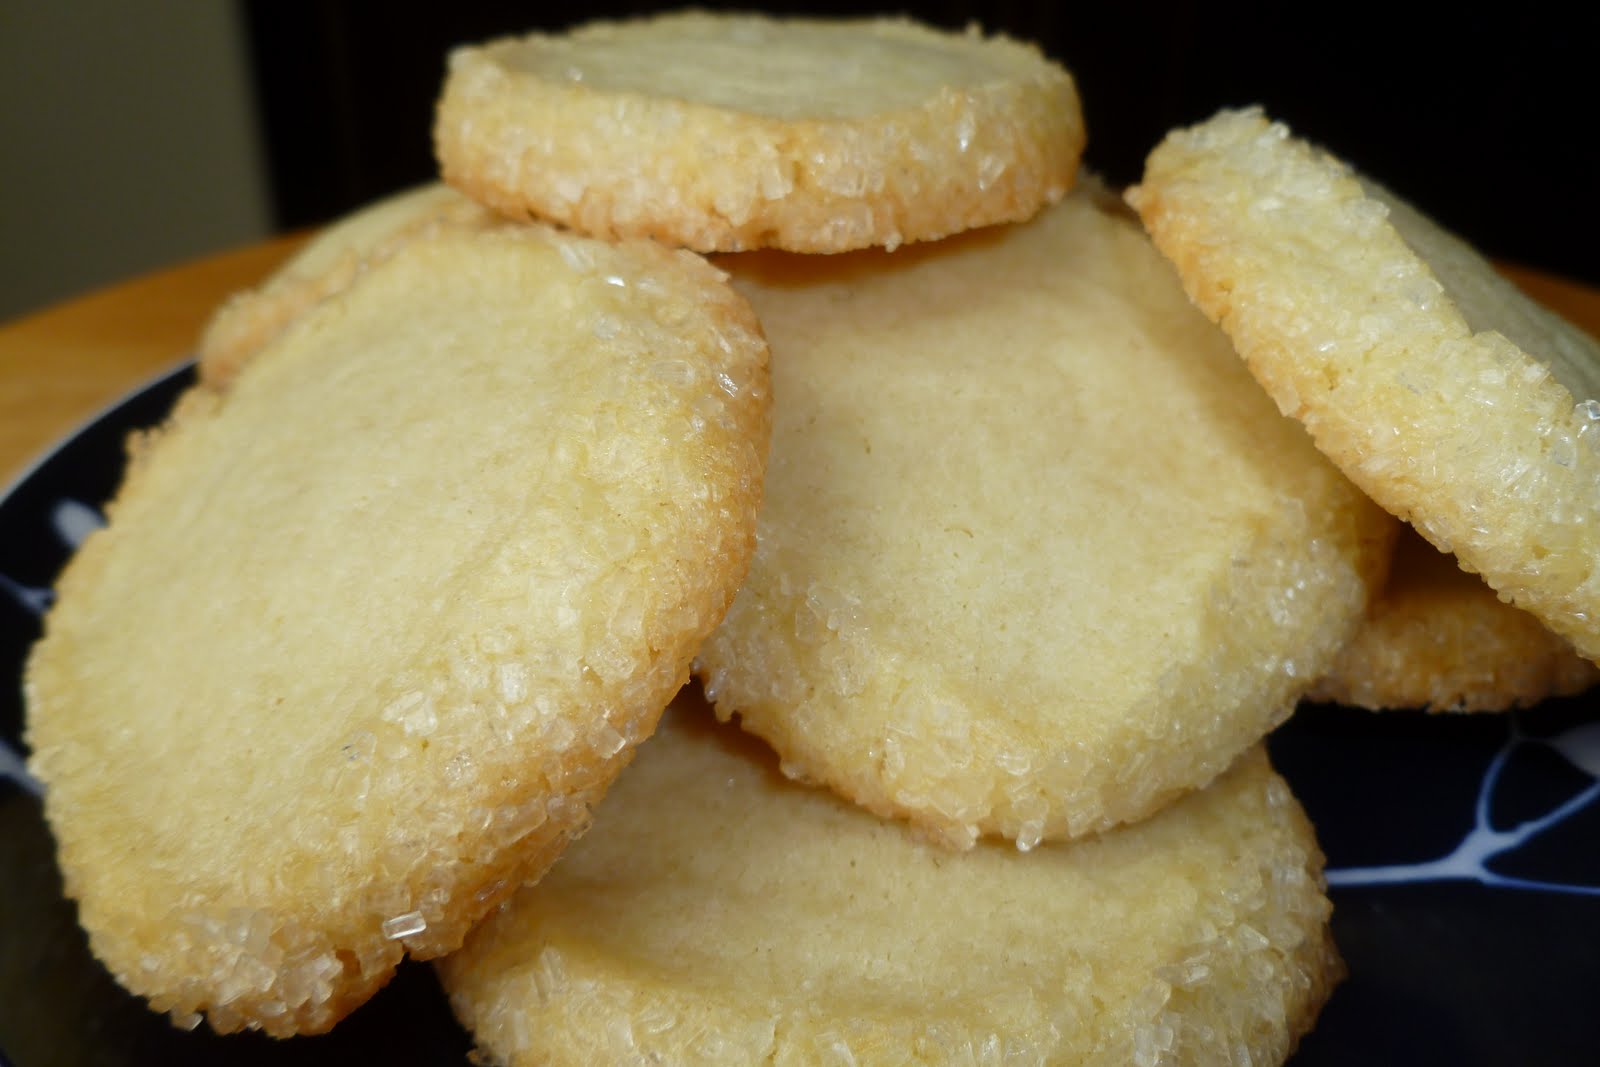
pixel 1037 565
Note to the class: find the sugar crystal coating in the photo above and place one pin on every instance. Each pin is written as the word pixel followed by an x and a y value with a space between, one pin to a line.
pixel 719 914
pixel 1448 396
pixel 327 263
pixel 1437 638
pixel 370 632
pixel 727 132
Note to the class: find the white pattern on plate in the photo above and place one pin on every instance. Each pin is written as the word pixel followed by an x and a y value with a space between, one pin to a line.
pixel 1469 860
pixel 72 521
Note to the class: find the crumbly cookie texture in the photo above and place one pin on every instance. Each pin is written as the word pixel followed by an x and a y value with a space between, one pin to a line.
pixel 719 914
pixel 1037 556
pixel 329 262
pixel 370 632
pixel 1452 399
pixel 1437 638
pixel 732 132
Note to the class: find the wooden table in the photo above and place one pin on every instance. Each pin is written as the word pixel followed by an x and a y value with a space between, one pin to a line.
pixel 60 365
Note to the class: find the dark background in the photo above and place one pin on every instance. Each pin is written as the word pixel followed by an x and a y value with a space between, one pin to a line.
pixel 1484 120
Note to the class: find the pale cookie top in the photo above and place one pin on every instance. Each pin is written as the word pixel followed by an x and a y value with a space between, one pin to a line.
pixel 1437 638
pixel 730 132
pixel 368 633
pixel 719 914
pixel 247 320
pixel 1037 555
pixel 1452 399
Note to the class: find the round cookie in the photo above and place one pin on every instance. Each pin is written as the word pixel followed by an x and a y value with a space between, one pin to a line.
pixel 1036 555
pixel 327 263
pixel 725 132
pixel 1456 402
pixel 719 914
pixel 1437 638
pixel 369 633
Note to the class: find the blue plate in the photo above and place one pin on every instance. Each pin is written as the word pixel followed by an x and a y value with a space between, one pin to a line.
pixel 1462 852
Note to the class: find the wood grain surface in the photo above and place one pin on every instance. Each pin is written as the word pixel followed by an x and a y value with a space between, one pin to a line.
pixel 60 365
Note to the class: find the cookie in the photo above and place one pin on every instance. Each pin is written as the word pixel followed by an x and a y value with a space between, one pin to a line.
pixel 1437 638
pixel 369 633
pixel 724 132
pixel 720 914
pixel 1453 400
pixel 327 263
pixel 1036 556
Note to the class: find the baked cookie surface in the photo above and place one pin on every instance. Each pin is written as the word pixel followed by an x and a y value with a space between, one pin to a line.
pixel 368 634
pixel 732 132
pixel 720 914
pixel 330 261
pixel 1036 555
pixel 1453 400
pixel 1437 638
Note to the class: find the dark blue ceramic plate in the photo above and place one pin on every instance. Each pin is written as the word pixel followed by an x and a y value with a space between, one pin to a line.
pixel 1464 853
